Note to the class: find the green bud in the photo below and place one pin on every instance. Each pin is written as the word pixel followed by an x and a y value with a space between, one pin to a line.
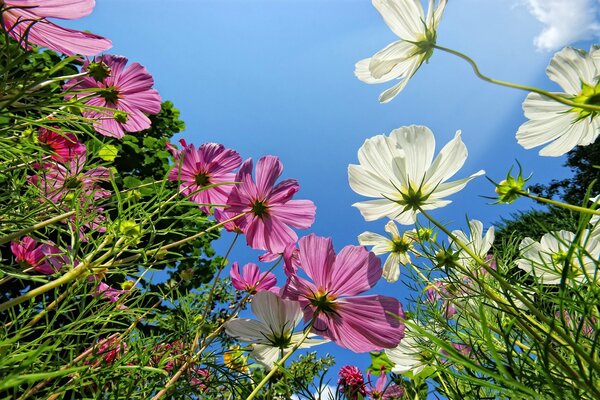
pixel 127 285
pixel 511 188
pixel 98 70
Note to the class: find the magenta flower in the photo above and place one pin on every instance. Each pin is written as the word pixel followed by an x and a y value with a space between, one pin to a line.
pixel 108 350
pixel 121 99
pixel 43 258
pixel 383 391
pixel 108 292
pixel 251 280
pixel 25 21
pixel 271 212
pixel 64 146
pixel 352 382
pixel 210 164
pixel 61 181
pixel 359 323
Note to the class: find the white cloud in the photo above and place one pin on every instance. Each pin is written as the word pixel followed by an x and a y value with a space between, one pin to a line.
pixel 565 21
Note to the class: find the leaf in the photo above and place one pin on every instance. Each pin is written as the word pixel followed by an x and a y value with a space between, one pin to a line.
pixel 131 182
pixel 31 378
pixel 108 152
pixel 378 360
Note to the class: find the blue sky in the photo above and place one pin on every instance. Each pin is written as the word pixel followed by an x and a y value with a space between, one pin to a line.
pixel 276 77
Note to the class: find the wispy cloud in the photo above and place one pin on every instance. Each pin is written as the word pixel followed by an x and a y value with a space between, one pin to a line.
pixel 565 21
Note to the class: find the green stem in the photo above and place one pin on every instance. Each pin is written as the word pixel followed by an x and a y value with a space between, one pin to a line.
pixel 560 204
pixel 280 363
pixel 66 278
pixel 560 99
pixel 216 279
pixel 22 232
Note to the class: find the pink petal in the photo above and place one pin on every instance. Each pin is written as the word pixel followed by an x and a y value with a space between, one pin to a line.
pixel 355 270
pixel 63 9
pixel 268 169
pixel 361 323
pixel 316 258
pixel 64 40
pixel 297 213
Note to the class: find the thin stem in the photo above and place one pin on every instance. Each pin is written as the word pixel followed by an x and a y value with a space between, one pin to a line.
pixel 560 204
pixel 560 99
pixel 216 278
pixel 18 234
pixel 66 278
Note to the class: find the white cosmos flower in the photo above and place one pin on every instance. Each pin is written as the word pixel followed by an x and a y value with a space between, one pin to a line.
pixel 560 125
pixel 546 259
pixel 409 354
pixel 400 172
pixel 402 58
pixel 272 334
pixel 479 243
pixel 398 247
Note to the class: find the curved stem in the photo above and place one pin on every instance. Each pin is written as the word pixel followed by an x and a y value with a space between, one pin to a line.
pixel 560 99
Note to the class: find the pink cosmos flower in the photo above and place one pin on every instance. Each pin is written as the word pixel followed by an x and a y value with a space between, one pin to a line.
pixel 59 181
pixel 25 21
pixel 383 391
pixel 64 146
pixel 124 96
pixel 271 212
pixel 251 280
pixel 359 323
pixel 108 292
pixel 108 350
pixel 43 258
pixel 210 164
pixel 352 382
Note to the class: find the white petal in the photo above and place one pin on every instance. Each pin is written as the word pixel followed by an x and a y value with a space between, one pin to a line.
pixel 378 156
pixel 362 72
pixel 392 229
pixel 418 144
pixel 450 159
pixel 372 210
pixel 392 92
pixel 569 67
pixel 381 244
pixel 398 56
pixel 280 315
pixel 437 16
pixel 266 355
pixel 367 183
pixel 403 17
pixel 448 188
pixel 391 268
pixel 247 330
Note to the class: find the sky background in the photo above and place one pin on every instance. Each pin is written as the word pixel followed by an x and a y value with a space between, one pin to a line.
pixel 276 77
